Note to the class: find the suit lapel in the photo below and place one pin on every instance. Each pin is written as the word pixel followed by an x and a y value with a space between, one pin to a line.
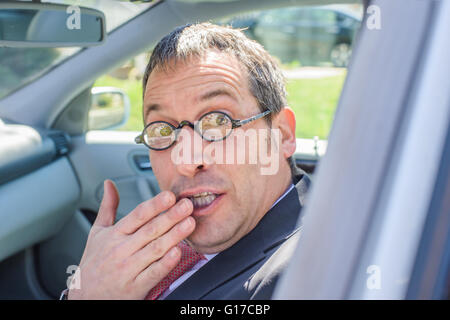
pixel 273 229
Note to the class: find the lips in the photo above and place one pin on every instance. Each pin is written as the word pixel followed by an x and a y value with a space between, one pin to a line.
pixel 203 199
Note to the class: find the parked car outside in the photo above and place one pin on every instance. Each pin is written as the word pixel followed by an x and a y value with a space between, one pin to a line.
pixel 310 35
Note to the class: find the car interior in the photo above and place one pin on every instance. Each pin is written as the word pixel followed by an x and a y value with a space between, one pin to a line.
pixel 52 167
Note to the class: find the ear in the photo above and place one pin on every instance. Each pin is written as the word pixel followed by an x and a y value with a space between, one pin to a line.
pixel 285 122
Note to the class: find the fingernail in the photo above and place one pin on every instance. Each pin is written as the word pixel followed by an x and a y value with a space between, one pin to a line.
pixel 184 205
pixel 104 188
pixel 166 197
pixel 173 252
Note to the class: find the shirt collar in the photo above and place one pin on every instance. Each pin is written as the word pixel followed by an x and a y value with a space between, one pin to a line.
pixel 210 256
pixel 283 195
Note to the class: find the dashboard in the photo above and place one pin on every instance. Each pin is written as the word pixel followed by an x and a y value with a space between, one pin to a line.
pixel 38 186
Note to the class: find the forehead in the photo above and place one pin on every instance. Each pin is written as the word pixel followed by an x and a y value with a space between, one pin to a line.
pixel 209 63
pixel 194 78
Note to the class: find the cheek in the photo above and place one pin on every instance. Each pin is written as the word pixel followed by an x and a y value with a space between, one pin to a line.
pixel 160 165
pixel 244 178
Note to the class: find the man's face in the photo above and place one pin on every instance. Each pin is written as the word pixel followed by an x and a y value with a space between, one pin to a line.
pixel 241 195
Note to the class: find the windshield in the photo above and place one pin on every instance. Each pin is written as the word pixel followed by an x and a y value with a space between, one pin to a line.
pixel 19 66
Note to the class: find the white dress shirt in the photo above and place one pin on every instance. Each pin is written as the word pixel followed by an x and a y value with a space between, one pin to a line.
pixel 202 262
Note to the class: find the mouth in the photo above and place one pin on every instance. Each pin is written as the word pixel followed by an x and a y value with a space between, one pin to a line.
pixel 204 199
pixel 204 202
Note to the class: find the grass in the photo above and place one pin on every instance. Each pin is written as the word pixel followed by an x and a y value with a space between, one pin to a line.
pixel 313 100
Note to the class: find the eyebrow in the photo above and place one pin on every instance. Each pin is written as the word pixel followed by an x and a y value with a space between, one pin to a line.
pixel 207 96
pixel 152 107
pixel 217 92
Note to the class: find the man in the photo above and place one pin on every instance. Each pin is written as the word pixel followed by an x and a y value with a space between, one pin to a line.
pixel 237 222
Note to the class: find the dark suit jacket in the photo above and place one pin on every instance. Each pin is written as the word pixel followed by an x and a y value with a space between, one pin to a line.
pixel 251 267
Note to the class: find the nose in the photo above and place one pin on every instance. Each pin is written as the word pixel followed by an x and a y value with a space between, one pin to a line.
pixel 192 159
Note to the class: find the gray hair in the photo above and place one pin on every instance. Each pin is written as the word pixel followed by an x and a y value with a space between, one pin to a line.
pixel 266 81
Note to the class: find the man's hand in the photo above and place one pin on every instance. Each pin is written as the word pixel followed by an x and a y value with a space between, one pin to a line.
pixel 127 259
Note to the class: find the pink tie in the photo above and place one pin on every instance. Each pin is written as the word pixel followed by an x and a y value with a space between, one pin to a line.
pixel 189 258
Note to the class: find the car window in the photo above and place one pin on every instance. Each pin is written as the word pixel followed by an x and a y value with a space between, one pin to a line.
pixel 324 16
pixel 19 66
pixel 128 78
pixel 280 15
pixel 314 62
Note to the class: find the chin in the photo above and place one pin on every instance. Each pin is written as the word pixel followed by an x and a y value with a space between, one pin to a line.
pixel 212 237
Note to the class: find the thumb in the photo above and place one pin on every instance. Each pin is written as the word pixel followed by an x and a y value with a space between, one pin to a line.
pixel 107 212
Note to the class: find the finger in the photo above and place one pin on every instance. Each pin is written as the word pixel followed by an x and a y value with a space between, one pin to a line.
pixel 159 247
pixel 151 276
pixel 159 225
pixel 107 212
pixel 145 211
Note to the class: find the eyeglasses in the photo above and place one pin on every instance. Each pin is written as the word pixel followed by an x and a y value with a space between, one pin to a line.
pixel 212 126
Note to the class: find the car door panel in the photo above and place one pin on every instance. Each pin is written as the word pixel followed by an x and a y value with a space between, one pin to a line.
pixel 33 169
pixel 24 223
pixel 58 257
pixel 101 155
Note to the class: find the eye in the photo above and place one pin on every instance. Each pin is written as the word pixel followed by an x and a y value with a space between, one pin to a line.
pixel 215 126
pixel 221 120
pixel 159 130
pixel 214 120
pixel 165 131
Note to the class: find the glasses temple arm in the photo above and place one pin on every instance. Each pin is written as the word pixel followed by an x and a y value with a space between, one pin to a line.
pixel 139 139
pixel 238 123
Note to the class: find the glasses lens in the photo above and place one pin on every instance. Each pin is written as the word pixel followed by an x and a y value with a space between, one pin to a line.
pixel 215 126
pixel 159 135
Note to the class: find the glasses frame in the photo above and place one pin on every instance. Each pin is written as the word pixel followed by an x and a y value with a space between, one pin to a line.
pixel 235 123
